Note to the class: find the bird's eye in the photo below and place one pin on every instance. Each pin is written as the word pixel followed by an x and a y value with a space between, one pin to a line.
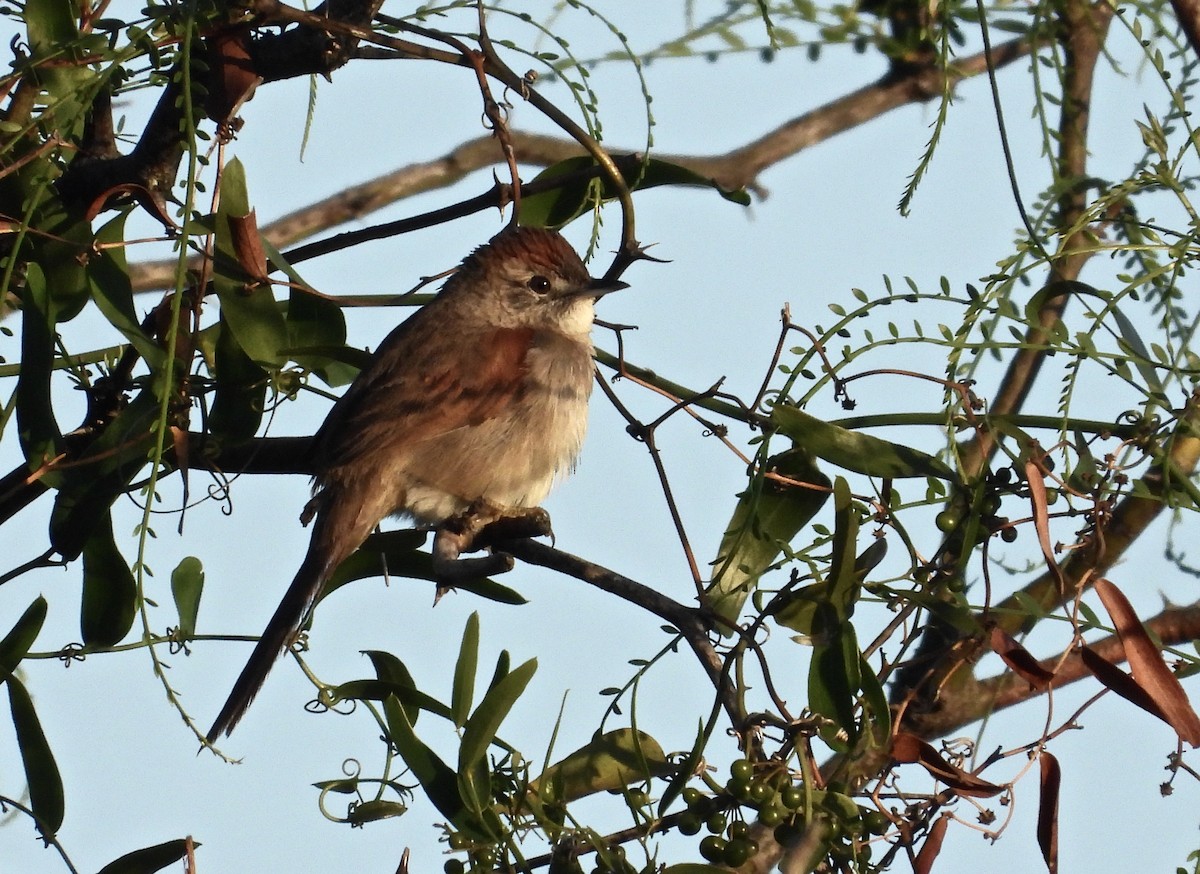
pixel 539 284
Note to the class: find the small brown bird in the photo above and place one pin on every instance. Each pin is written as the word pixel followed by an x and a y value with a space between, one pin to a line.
pixel 480 396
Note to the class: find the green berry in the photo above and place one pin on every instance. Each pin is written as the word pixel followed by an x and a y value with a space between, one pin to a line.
pixel 712 848
pixel 692 796
pixel 771 815
pixel 738 829
pixel 716 823
pixel 792 797
pixel 761 791
pixel 454 866
pixel 689 823
pixel 946 521
pixel 742 770
pixel 736 854
pixel 876 822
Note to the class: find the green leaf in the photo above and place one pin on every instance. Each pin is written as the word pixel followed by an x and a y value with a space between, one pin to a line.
pixel 462 695
pixel 397 552
pixel 109 602
pixel 375 810
pixel 687 768
pixel 843 571
pixel 877 714
pixel 21 636
pixel 390 670
pixel 54 36
pixel 111 289
pixel 250 310
pixel 149 859
pixel 240 389
pixel 187 584
pixel 386 552
pixel 100 474
pixel 1141 358
pixel 410 698
pixel 611 761
pixel 833 681
pixel 559 206
pixel 41 772
pixel 435 776
pixel 855 451
pixel 767 517
pixel 480 730
pixel 315 323
pixel 37 426
pixel 832 600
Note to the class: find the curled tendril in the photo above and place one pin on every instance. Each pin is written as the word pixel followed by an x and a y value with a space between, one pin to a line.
pixel 72 652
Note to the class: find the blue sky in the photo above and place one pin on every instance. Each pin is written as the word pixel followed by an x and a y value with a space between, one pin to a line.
pixel 828 225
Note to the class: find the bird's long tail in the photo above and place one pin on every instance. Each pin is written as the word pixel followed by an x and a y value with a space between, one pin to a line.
pixel 339 530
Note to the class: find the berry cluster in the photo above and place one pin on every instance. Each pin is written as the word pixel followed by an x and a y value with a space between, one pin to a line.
pixel 781 805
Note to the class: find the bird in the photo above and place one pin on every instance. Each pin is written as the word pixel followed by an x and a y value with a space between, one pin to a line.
pixel 481 396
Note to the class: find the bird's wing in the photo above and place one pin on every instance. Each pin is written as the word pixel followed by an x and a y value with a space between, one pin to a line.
pixel 399 400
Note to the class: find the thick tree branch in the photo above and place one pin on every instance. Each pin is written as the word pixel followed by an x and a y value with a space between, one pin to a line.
pixel 1086 27
pixel 943 655
pixel 736 169
pixel 969 702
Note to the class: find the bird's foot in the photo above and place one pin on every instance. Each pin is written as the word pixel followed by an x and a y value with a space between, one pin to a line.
pixel 483 525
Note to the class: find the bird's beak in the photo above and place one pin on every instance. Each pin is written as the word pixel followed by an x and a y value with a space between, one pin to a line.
pixel 597 288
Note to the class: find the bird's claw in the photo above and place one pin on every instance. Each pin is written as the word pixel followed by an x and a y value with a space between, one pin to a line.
pixel 481 526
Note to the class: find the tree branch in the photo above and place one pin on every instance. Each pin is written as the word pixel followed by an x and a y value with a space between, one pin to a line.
pixel 732 170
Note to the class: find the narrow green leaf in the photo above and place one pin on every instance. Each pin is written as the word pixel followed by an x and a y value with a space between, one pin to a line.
pixel 240 389
pixel 149 859
pixel 480 729
pixel 877 714
pixel 1141 358
pixel 398 553
pixel 21 636
pixel 41 772
pixel 187 585
pixel 435 776
pixel 855 451
pixel 833 681
pixel 109 602
pixel 37 426
pixel 687 768
pixel 102 473
pixel 111 289
pixel 379 690
pixel 766 518
pixel 315 323
pixel 462 695
pixel 502 669
pixel 395 673
pixel 251 311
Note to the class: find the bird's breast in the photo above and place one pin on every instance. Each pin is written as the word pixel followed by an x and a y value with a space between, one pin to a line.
pixel 513 458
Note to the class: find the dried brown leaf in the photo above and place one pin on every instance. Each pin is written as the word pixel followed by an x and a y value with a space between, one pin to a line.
pixel 1116 680
pixel 1047 827
pixel 247 245
pixel 908 748
pixel 1147 665
pixel 1041 519
pixel 1019 659
pixel 932 846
